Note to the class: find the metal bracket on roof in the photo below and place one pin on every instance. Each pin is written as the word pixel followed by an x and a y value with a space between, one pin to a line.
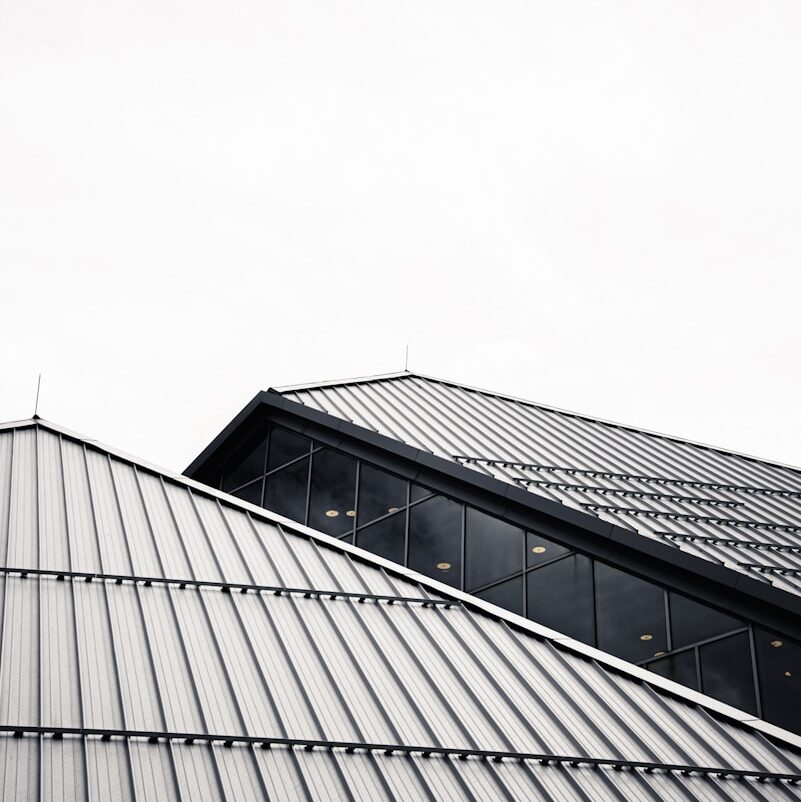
pixel 349 747
pixel 661 480
pixel 226 587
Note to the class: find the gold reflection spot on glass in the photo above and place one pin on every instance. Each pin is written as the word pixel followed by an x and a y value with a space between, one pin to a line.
pixel 393 509
pixel 658 654
pixel 350 513
pixel 538 549
pixel 777 643
pixel 646 636
pixel 444 566
pixel 331 513
pixel 788 673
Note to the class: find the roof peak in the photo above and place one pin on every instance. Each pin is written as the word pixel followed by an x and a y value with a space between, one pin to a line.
pixel 537 405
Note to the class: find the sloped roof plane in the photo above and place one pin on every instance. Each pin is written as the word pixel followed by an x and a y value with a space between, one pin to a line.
pixel 161 640
pixel 719 505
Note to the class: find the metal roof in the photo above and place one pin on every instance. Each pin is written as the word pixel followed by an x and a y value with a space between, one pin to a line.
pixel 161 640
pixel 725 507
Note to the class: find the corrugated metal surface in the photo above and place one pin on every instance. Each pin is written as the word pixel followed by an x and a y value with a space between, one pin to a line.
pixel 724 507
pixel 124 655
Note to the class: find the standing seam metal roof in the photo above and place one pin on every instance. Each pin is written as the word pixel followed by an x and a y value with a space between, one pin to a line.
pixel 158 635
pixel 724 507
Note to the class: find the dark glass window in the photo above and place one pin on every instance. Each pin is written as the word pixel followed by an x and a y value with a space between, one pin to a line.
pixel 779 666
pixel 387 538
pixel 245 467
pixel 678 667
pixel 284 447
pixel 691 621
pixel 379 493
pixel 332 502
pixel 286 491
pixel 251 492
pixel 630 614
pixel 493 549
pixel 418 492
pixel 508 595
pixel 726 671
pixel 435 539
pixel 560 596
pixel 539 550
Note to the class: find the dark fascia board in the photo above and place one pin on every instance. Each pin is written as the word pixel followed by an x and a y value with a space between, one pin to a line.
pixel 723 587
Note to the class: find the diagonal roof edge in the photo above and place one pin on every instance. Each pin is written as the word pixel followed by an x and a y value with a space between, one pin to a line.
pixel 606 660
pixel 537 405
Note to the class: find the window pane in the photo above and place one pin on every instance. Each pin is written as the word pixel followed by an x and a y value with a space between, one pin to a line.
pixel 435 539
pixel 630 614
pixel 244 467
pixel 726 671
pixel 508 595
pixel 560 596
pixel 379 493
pixel 691 621
pixel 779 665
pixel 418 492
pixel 285 446
pixel 332 503
pixel 251 492
pixel 386 538
pixel 678 667
pixel 286 491
pixel 493 549
pixel 539 550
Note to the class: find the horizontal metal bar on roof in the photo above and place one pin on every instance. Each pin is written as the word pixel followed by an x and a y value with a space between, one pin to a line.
pixel 641 477
pixel 277 590
pixel 772 569
pixel 681 516
pixel 725 541
pixel 608 491
pixel 309 744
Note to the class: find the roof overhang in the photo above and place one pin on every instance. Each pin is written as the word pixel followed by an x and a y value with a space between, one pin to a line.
pixel 726 587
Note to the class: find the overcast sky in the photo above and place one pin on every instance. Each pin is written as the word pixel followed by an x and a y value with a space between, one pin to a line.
pixel 595 205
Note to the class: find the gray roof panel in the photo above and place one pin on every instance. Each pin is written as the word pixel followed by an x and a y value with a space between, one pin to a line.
pixel 126 655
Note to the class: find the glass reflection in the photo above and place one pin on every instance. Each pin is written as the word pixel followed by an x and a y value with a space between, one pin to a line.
pixel 540 550
pixel 560 596
pixel 284 447
pixel 379 493
pixel 245 467
pixel 332 499
pixel 726 671
pixel 691 621
pixel 251 492
pixel 285 492
pixel 508 595
pixel 779 666
pixel 387 538
pixel 678 667
pixel 630 614
pixel 493 549
pixel 435 539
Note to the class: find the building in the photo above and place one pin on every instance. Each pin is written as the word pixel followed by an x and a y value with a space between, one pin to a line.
pixel 162 639
pixel 681 558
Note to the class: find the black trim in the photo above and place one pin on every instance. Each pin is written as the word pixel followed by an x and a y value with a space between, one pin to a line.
pixel 728 590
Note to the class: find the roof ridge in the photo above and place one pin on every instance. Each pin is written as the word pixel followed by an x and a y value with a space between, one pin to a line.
pixel 608 661
pixel 548 408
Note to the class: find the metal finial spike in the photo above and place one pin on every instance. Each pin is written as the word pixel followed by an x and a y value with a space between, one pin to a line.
pixel 36 403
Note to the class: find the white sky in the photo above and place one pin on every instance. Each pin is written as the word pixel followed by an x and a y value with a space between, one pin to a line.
pixel 595 205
